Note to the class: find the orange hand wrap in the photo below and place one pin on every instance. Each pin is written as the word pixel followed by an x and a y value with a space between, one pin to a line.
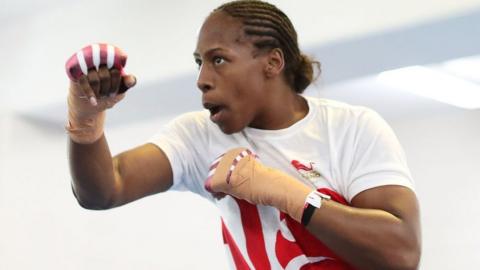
pixel 86 121
pixel 240 174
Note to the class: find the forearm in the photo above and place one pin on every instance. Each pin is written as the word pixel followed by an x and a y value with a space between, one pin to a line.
pixel 92 170
pixel 367 238
pixel 93 89
pixel 381 232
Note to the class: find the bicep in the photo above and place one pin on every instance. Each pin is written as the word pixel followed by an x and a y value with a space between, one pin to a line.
pixel 142 171
pixel 397 200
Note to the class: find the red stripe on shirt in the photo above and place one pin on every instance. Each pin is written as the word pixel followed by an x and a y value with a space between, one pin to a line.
pixel 252 227
pixel 238 259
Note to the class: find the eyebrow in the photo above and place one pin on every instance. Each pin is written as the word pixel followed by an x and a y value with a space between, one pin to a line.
pixel 210 51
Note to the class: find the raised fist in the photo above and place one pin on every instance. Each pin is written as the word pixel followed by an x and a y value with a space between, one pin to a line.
pixel 97 75
pixel 93 56
pixel 97 82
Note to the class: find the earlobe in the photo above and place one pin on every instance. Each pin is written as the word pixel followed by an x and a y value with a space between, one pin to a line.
pixel 268 71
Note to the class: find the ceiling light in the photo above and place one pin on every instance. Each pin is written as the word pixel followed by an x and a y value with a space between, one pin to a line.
pixel 433 84
pixel 467 68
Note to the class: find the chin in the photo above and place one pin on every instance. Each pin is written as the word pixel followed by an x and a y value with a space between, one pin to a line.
pixel 228 129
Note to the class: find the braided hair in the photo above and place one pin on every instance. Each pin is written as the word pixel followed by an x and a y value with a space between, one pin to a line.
pixel 270 28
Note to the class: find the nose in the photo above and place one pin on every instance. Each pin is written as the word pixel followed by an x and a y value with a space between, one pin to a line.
pixel 205 80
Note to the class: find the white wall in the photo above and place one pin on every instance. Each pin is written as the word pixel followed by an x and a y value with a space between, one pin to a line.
pixel 160 36
pixel 43 227
pixel 444 156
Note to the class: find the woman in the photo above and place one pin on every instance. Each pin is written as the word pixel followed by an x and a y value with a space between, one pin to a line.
pixel 304 183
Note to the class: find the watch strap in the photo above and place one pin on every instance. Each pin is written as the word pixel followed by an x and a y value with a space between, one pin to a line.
pixel 312 202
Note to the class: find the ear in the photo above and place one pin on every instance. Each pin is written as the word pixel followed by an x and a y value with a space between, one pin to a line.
pixel 275 62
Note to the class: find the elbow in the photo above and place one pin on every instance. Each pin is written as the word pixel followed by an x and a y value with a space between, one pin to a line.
pixel 405 251
pixel 93 204
pixel 408 261
pixel 404 259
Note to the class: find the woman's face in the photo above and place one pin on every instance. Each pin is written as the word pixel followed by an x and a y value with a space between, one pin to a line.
pixel 231 77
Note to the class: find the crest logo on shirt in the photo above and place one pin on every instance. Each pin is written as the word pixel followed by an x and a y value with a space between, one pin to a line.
pixel 306 171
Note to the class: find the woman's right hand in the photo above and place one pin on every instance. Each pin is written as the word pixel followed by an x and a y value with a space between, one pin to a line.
pixel 98 91
pixel 90 97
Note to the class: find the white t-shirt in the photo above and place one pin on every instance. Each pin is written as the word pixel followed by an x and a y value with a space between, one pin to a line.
pixel 336 148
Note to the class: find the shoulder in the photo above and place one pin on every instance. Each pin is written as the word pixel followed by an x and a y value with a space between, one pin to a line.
pixel 191 118
pixel 183 128
pixel 338 113
pixel 190 122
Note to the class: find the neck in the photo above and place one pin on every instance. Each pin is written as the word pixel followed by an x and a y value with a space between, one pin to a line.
pixel 283 108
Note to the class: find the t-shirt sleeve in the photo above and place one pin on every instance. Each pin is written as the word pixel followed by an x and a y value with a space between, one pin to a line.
pixel 182 141
pixel 375 156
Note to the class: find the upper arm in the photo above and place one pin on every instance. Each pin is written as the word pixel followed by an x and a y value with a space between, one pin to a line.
pixel 397 200
pixel 141 171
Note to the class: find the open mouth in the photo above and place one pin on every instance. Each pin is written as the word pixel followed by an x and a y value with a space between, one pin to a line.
pixel 215 110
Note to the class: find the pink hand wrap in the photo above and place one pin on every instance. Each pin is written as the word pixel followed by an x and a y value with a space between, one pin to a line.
pixel 240 174
pixel 92 56
pixel 85 121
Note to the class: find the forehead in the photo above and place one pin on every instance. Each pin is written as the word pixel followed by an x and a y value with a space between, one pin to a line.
pixel 220 30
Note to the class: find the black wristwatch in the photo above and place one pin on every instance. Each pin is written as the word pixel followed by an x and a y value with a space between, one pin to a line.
pixel 312 202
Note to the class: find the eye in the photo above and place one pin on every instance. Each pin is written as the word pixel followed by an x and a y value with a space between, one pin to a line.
pixel 199 62
pixel 217 60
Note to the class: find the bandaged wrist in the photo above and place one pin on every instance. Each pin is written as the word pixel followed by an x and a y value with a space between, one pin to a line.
pixel 241 175
pixel 85 129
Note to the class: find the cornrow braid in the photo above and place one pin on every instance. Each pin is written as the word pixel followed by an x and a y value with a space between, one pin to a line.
pixel 271 29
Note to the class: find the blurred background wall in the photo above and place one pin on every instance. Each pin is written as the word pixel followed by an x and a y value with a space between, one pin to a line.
pixel 42 226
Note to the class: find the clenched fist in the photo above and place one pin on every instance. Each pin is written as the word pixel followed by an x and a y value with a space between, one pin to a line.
pixel 96 72
pixel 97 83
pixel 240 174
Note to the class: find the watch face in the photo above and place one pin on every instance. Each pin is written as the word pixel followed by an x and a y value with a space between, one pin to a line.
pixel 314 199
pixel 323 196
